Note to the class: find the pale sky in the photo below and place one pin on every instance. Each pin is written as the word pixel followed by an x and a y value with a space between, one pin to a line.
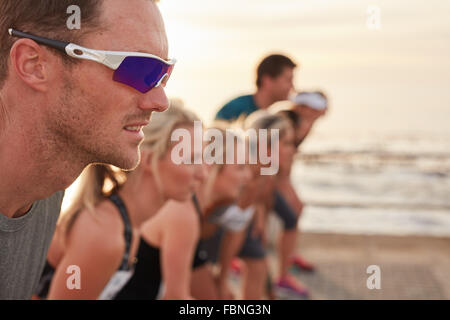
pixel 395 79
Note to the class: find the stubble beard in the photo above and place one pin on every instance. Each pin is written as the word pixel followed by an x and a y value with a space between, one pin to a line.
pixel 82 137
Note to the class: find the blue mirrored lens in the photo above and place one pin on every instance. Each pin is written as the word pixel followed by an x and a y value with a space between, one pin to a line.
pixel 141 73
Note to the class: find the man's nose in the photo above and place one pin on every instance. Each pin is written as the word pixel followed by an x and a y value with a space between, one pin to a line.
pixel 155 100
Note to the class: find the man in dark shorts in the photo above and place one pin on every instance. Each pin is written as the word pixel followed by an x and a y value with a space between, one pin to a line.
pixel 60 112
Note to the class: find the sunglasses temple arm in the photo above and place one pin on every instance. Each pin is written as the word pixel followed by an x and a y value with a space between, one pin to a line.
pixel 110 60
pixel 60 45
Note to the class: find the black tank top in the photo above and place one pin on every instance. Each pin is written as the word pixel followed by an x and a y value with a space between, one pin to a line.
pixel 146 280
pixel 49 270
pixel 201 255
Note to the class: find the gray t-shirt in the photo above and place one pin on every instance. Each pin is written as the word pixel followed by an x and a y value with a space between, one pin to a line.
pixel 24 244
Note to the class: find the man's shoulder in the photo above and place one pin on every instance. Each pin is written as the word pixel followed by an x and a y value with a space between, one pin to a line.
pixel 55 199
pixel 47 210
pixel 236 107
pixel 242 99
pixel 241 102
pixel 51 205
pixel 42 213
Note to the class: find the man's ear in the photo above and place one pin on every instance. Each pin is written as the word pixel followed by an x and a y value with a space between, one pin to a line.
pixel 30 63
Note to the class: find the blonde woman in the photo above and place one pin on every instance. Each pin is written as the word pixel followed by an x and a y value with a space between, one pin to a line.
pixel 100 232
pixel 170 251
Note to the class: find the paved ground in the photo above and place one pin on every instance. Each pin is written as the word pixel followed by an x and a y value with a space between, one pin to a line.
pixel 411 267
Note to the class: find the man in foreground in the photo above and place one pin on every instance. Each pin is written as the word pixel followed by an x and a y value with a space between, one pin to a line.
pixel 60 113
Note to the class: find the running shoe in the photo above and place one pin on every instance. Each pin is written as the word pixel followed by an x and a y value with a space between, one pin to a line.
pixel 236 266
pixel 291 285
pixel 301 263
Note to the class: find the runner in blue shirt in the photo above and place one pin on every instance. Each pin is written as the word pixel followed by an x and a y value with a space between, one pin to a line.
pixel 243 105
pixel 275 76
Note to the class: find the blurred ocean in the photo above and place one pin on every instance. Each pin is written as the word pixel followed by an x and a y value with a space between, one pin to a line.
pixel 396 185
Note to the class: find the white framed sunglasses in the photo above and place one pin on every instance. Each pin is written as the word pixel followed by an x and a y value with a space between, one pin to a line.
pixel 141 71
